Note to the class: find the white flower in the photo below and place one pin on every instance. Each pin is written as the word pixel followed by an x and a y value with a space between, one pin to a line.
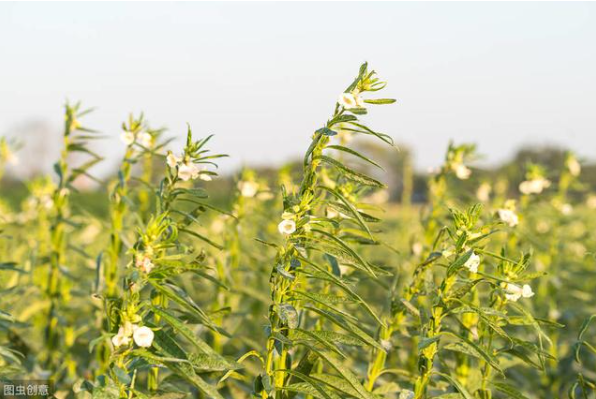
pixel 534 186
pixel 472 263
pixel 347 100
pixel 128 328
pixel 566 209
pixel 508 216
pixel 144 263
pixel 406 394
pixel 188 171
pixel 351 100
pixel 483 192
pixel 248 188
pixel 127 137
pixel 143 337
pixel 120 340
pixel 462 171
pixel 124 333
pixel 172 160
pixel 287 227
pixel 513 292
pixel 145 139
pixel 574 166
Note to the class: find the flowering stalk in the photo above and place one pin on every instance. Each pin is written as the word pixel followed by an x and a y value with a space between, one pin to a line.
pixel 74 140
pixel 158 256
pixel 330 186
pixel 139 139
pixel 464 258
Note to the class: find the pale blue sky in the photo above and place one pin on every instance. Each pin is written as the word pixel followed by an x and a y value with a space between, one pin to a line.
pixel 263 76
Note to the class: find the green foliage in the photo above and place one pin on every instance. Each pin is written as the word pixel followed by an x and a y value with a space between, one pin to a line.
pixel 304 282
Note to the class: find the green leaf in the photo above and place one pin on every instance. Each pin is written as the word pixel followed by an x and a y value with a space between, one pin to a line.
pixel 351 208
pixel 346 374
pixel 508 390
pixel 455 384
pixel 469 347
pixel 347 326
pixel 380 101
pixel 319 388
pixel 584 327
pixel 184 330
pixel 350 173
pixel 459 262
pixel 355 153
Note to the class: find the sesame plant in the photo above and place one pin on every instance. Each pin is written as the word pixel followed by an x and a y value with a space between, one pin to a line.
pixel 141 142
pixel 148 314
pixel 311 279
pixel 59 335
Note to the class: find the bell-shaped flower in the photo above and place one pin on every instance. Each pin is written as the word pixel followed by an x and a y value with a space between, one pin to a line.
pixel 172 160
pixel 188 171
pixel 287 226
pixel 508 216
pixel 472 263
pixel 462 171
pixel 143 337
pixel 513 292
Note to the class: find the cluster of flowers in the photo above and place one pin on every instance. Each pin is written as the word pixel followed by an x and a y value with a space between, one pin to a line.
pixel 250 189
pixel 513 292
pixel 143 138
pixel 142 336
pixel 534 186
pixel 186 170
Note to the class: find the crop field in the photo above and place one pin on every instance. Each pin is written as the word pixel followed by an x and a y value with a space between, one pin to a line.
pixel 308 282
